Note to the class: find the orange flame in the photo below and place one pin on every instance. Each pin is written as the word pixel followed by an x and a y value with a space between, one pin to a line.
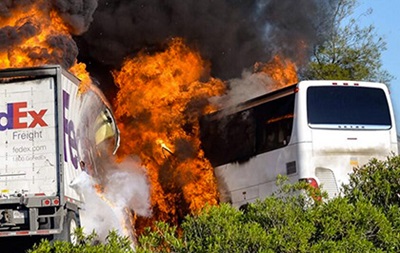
pixel 79 70
pixel 39 26
pixel 282 71
pixel 36 29
pixel 159 101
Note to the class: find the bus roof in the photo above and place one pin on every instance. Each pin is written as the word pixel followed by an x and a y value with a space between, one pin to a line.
pixel 290 89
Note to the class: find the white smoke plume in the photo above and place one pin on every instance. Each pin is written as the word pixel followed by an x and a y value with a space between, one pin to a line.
pixel 126 189
pixel 249 86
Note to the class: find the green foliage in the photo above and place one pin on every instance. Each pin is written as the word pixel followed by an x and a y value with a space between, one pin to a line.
pixel 310 195
pixel 329 226
pixel 286 223
pixel 216 229
pixel 345 227
pixel 162 238
pixel 293 222
pixel 86 244
pixel 378 182
pixel 366 218
pixel 222 229
pixel 350 52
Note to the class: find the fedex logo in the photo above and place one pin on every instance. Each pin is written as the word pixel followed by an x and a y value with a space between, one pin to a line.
pixel 17 117
pixel 70 140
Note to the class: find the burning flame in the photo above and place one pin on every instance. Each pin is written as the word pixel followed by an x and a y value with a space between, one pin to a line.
pixel 79 70
pixel 35 28
pixel 41 37
pixel 282 71
pixel 160 99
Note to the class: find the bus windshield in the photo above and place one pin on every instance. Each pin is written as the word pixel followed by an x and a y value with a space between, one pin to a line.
pixel 347 107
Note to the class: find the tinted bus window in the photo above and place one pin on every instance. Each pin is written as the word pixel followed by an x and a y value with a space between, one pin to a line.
pixel 342 105
pixel 238 137
pixel 228 139
pixel 274 122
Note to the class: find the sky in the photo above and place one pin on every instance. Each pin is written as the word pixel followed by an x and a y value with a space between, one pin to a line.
pixel 386 20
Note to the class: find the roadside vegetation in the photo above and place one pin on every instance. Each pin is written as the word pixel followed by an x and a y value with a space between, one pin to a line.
pixel 365 218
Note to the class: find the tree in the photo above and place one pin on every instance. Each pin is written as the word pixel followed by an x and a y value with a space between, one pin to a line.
pixel 350 52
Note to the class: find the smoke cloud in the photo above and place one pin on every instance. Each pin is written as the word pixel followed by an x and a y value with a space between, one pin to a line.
pixel 6 6
pixel 248 86
pixel 78 14
pixel 61 48
pixel 232 35
pixel 126 190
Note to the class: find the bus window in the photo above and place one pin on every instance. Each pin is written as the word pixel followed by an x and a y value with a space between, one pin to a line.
pixel 238 137
pixel 343 106
pixel 228 139
pixel 274 121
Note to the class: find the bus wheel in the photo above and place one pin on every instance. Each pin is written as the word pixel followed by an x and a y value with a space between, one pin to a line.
pixel 71 222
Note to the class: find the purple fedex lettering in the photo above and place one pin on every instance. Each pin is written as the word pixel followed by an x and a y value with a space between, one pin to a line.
pixel 69 133
pixel 8 116
pixel 16 117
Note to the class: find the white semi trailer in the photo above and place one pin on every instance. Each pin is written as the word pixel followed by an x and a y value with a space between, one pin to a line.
pixel 48 126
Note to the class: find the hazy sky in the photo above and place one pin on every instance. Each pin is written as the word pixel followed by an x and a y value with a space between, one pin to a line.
pixel 385 17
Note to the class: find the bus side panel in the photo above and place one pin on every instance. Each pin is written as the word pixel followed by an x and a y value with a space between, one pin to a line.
pixel 242 183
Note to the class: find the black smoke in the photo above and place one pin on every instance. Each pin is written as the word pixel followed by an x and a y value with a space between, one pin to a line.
pixel 62 49
pixel 7 6
pixel 77 14
pixel 231 34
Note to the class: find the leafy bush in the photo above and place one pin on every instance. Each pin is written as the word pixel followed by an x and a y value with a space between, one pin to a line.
pixel 216 229
pixel 365 219
pixel 377 182
pixel 286 222
pixel 334 226
pixel 114 243
pixel 223 229
pixel 162 238
pixel 346 227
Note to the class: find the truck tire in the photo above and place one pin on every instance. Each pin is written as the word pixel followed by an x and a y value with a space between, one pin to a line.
pixel 71 222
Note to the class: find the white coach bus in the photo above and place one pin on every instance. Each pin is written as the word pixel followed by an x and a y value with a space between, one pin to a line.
pixel 315 130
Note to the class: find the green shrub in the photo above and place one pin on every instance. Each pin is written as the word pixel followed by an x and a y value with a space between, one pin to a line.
pixel 366 218
pixel 334 226
pixel 346 227
pixel 222 229
pixel 286 222
pixel 162 238
pixel 86 244
pixel 377 182
pixel 215 229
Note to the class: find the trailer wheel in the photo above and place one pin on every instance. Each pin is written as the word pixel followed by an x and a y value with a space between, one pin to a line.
pixel 71 222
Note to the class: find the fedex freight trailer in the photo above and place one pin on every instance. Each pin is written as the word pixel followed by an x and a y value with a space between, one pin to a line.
pixel 48 126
